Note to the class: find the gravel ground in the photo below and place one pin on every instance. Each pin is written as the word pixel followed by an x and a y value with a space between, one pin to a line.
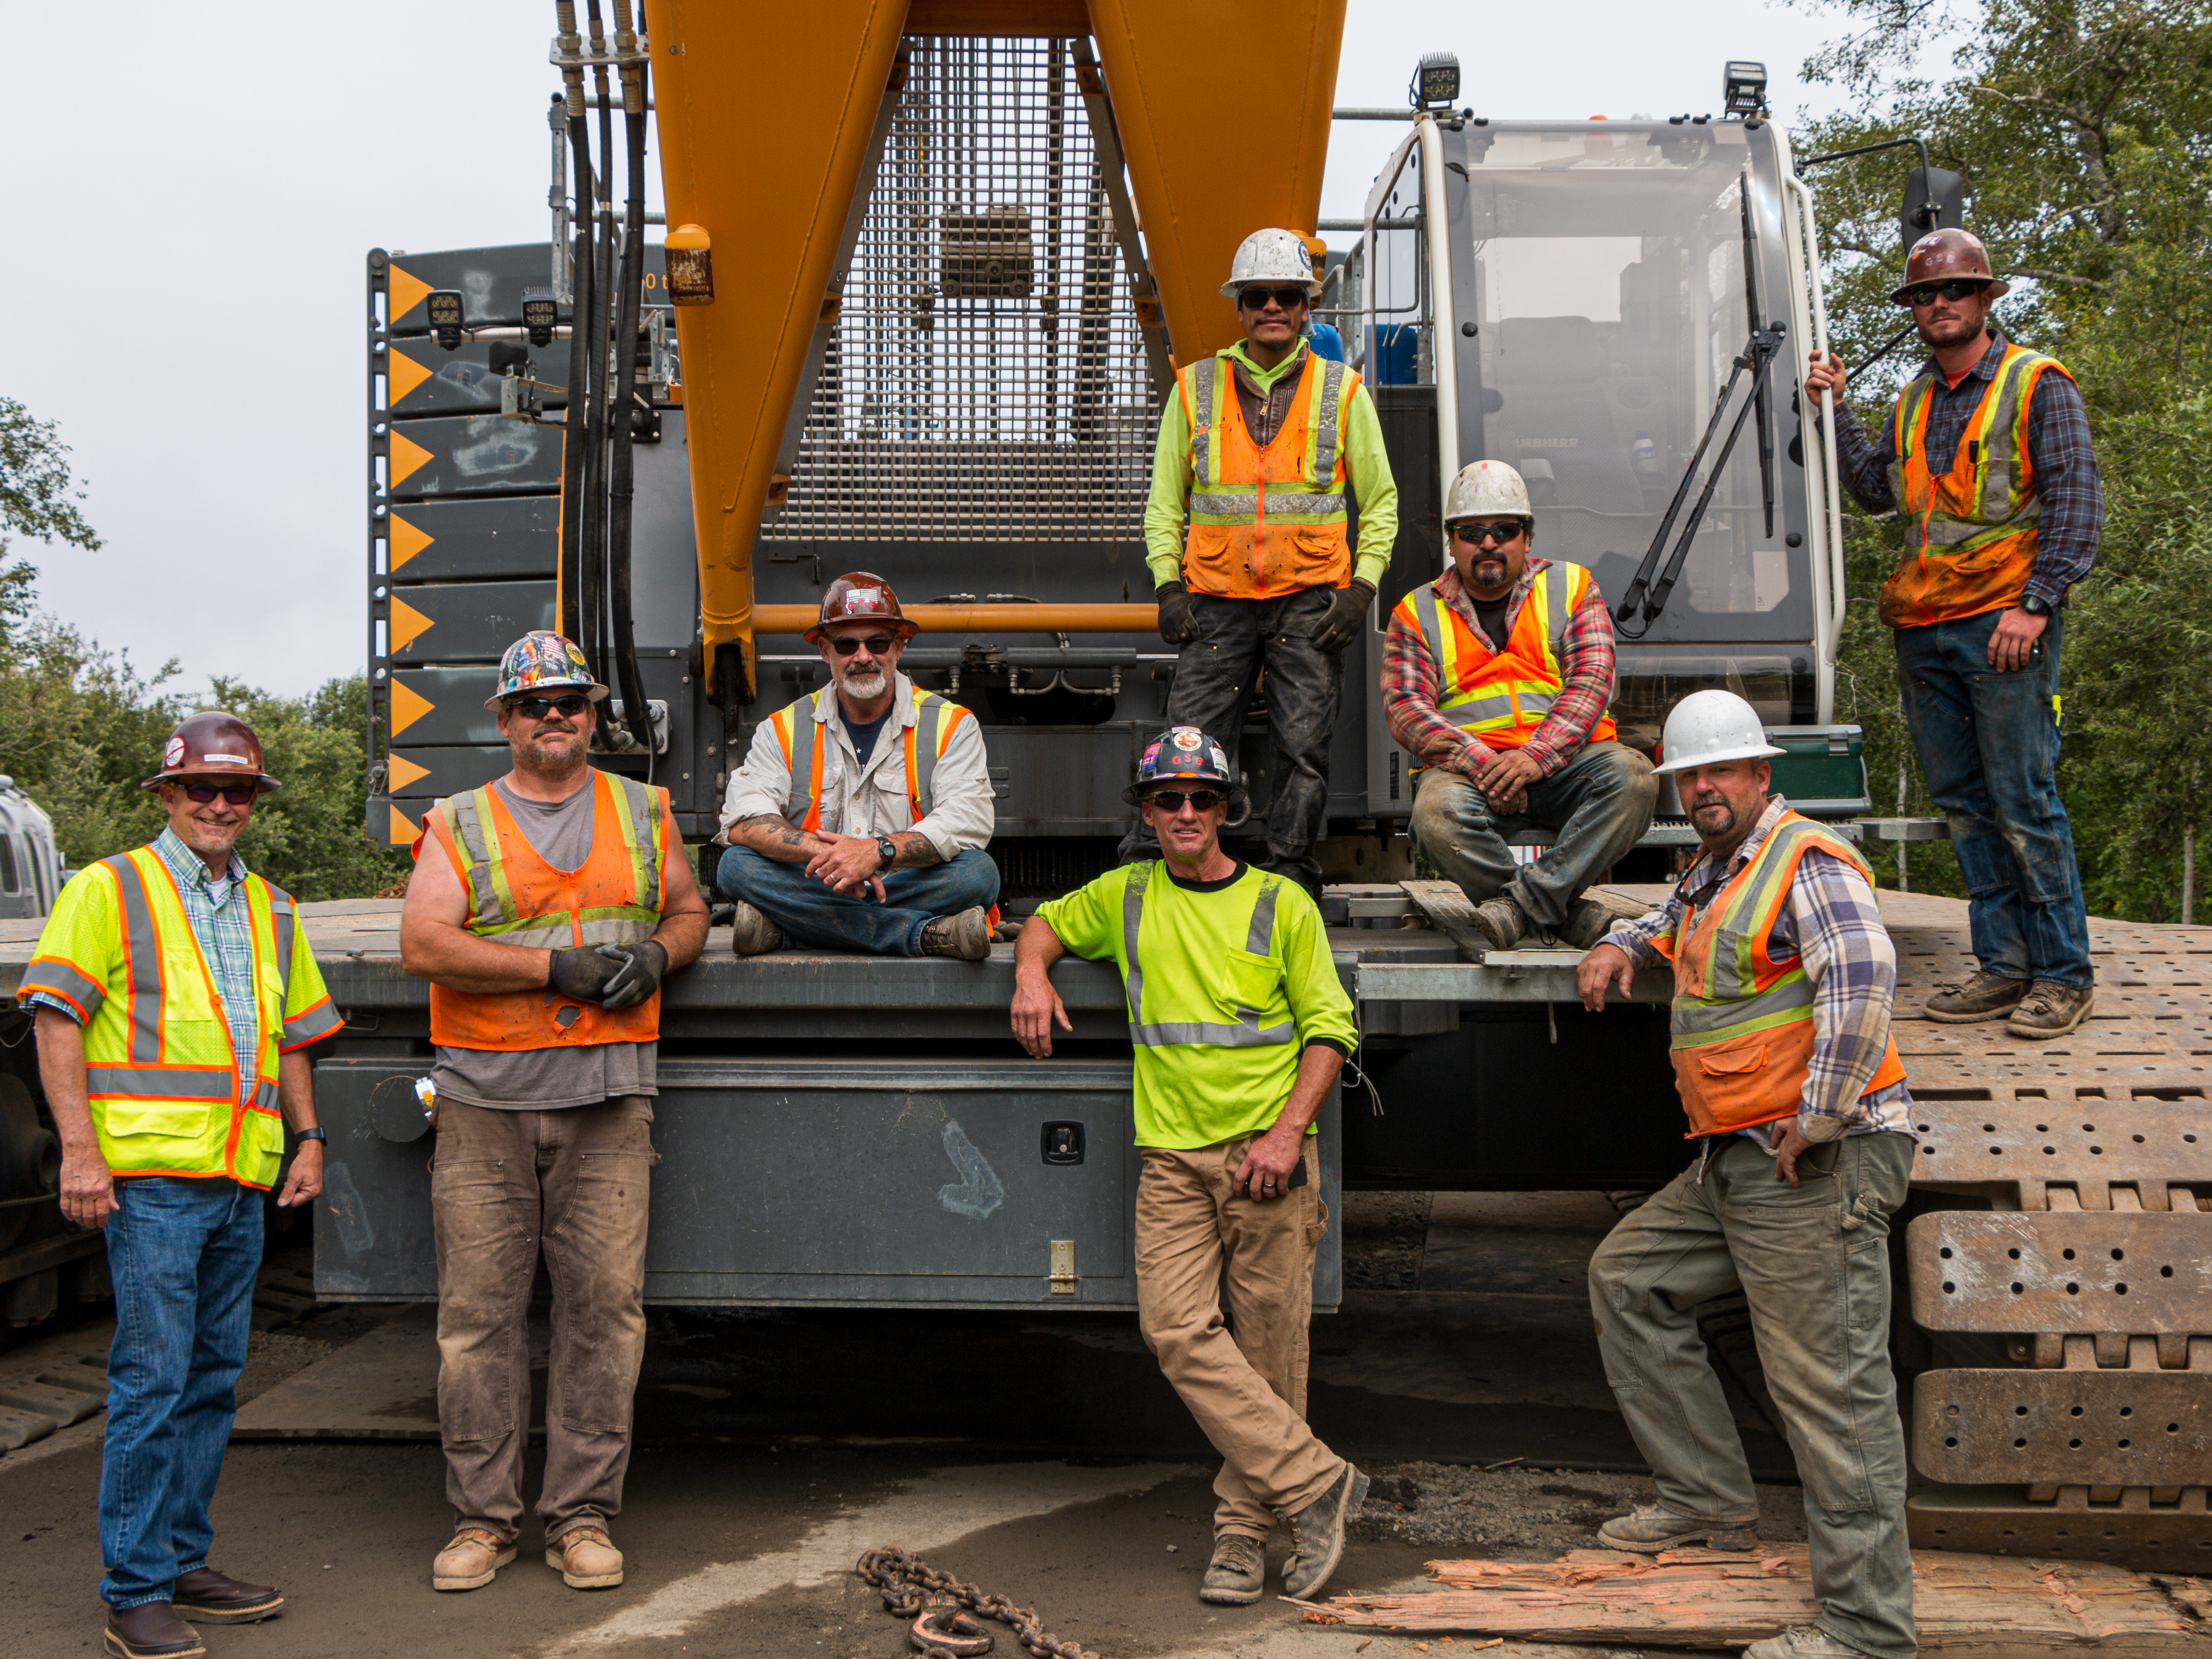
pixel 1522 1513
pixel 1383 1237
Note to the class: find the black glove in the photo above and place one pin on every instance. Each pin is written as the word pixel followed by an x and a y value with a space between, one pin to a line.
pixel 1347 613
pixel 1178 622
pixel 642 965
pixel 583 972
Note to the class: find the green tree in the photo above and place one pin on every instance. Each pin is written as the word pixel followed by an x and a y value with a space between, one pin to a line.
pixel 36 500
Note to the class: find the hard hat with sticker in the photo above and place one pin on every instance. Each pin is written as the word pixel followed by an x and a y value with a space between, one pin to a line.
pixel 173 754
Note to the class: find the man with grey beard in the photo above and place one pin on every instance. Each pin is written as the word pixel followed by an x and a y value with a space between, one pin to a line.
pixel 860 817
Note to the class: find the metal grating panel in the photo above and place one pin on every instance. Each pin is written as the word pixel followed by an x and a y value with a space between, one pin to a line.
pixel 984 380
pixel 2083 1428
pixel 2075 1273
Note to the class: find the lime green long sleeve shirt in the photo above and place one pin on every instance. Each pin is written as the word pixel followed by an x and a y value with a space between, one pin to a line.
pixel 1366 464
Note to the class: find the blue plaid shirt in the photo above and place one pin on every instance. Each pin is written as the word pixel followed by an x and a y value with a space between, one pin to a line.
pixel 216 907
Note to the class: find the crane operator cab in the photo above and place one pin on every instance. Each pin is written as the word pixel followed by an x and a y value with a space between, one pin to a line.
pixel 31 873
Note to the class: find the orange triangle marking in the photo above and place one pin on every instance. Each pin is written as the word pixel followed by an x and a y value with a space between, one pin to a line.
pixel 403 830
pixel 408 706
pixel 407 541
pixel 405 375
pixel 407 458
pixel 404 292
pixel 399 771
pixel 408 624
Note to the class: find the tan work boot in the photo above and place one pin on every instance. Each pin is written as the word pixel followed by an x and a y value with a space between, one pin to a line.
pixel 470 1559
pixel 587 1557
pixel 1502 923
pixel 1587 924
pixel 751 933
pixel 1803 1642
pixel 2050 1010
pixel 1237 1572
pixel 1654 1528
pixel 966 936
pixel 1985 996
pixel 1317 1533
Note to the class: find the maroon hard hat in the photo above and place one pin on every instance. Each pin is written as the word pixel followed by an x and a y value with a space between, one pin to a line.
pixel 211 744
pixel 860 596
pixel 1943 256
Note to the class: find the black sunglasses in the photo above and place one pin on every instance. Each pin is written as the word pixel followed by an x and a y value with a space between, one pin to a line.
pixel 1171 801
pixel 1289 298
pixel 537 708
pixel 238 794
pixel 1475 534
pixel 1957 288
pixel 845 645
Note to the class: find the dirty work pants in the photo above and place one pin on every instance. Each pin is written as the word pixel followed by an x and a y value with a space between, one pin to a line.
pixel 1214 681
pixel 1600 803
pixel 816 917
pixel 1813 1262
pixel 1989 750
pixel 1202 1244
pixel 502 1181
pixel 182 1254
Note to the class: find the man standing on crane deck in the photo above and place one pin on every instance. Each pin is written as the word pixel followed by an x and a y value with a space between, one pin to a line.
pixel 1987 460
pixel 1257 446
pixel 544 909
pixel 1241 1026
pixel 1783 977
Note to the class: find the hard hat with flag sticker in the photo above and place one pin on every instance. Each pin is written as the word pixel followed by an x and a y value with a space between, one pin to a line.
pixel 860 596
pixel 211 744
pixel 542 661
pixel 1182 754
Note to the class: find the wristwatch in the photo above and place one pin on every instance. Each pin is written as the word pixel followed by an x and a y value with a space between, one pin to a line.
pixel 887 850
pixel 2035 605
pixel 321 1135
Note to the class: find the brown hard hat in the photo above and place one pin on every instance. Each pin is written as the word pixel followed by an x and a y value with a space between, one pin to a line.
pixel 860 596
pixel 1948 255
pixel 211 744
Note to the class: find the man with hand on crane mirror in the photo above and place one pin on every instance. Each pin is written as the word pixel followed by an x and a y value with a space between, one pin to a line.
pixel 1240 1025
pixel 1259 448
pixel 1495 676
pixel 1784 980
pixel 1987 461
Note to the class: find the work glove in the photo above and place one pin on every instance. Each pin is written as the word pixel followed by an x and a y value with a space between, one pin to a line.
pixel 1178 620
pixel 583 972
pixel 642 965
pixel 1347 613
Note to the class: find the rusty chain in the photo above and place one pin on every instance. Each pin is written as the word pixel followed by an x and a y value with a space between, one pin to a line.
pixel 913 1589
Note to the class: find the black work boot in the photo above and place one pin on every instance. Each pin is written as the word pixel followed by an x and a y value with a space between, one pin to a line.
pixel 1985 996
pixel 1317 1533
pixel 148 1631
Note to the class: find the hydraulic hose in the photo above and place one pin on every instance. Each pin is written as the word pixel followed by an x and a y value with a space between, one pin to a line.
pixel 595 463
pixel 622 434
pixel 574 441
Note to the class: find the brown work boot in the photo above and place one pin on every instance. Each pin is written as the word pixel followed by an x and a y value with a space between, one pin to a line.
pixel 1587 922
pixel 1985 996
pixel 1653 1527
pixel 751 933
pixel 1317 1533
pixel 966 936
pixel 208 1597
pixel 1502 922
pixel 587 1557
pixel 148 1631
pixel 2050 1010
pixel 1237 1572
pixel 470 1559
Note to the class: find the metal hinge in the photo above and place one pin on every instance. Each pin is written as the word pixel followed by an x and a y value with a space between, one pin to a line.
pixel 1062 1276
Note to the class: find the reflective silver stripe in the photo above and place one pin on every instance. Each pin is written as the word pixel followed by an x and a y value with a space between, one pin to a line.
pixel 1305 504
pixel 1241 507
pixel 1248 1033
pixel 607 930
pixel 645 825
pixel 264 1096
pixel 1132 917
pixel 930 715
pixel 1201 421
pixel 318 1022
pixel 282 916
pixel 542 935
pixel 146 964
pixel 150 1085
pixel 803 786
pixel 466 824
pixel 59 979
pixel 1261 934
pixel 1332 394
pixel 1694 1018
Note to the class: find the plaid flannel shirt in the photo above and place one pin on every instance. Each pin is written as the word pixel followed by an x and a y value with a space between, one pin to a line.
pixel 1832 922
pixel 217 911
pixel 1409 681
pixel 2058 447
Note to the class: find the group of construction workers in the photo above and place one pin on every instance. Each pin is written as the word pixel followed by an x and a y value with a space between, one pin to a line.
pixel 547 909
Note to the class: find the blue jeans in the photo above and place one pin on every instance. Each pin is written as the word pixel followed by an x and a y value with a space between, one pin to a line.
pixel 816 919
pixel 182 1254
pixel 1988 749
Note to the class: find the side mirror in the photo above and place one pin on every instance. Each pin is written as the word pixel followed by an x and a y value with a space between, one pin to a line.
pixel 1935 199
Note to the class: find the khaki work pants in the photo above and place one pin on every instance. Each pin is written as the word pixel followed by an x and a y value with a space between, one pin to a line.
pixel 503 1182
pixel 1201 1244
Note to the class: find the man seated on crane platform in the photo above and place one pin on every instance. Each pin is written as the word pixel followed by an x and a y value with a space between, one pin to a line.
pixel 860 817
pixel 1497 676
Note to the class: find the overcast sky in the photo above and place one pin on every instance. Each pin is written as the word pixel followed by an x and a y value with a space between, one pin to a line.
pixel 192 194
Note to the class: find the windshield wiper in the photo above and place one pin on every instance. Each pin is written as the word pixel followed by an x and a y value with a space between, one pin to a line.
pixel 1752 311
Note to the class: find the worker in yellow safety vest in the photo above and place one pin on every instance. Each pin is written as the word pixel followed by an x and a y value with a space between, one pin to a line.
pixel 1265 448
pixel 176 1000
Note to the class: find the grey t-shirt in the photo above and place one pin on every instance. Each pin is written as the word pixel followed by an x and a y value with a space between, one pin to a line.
pixel 541 1079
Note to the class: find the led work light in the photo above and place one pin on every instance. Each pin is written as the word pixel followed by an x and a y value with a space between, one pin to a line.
pixel 443 308
pixel 1743 88
pixel 1436 82
pixel 539 313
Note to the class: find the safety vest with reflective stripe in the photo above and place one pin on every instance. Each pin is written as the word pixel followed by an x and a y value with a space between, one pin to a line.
pixel 161 1072
pixel 1267 522
pixel 1970 535
pixel 515 897
pixel 1247 1032
pixel 1503 696
pixel 925 741
pixel 1742 1022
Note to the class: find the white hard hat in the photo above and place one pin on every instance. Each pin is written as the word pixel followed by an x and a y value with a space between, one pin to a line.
pixel 1271 256
pixel 1713 725
pixel 1486 487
